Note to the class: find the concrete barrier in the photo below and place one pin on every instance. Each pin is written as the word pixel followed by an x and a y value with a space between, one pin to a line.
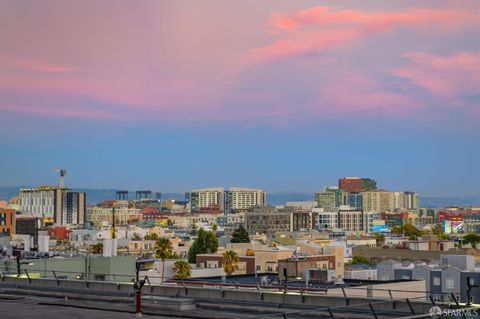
pixel 79 287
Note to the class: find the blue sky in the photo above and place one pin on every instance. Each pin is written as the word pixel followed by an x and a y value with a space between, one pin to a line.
pixel 282 95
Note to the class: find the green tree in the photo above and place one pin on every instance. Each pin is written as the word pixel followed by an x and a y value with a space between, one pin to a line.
pixel 240 235
pixel 407 230
pixel 206 243
pixel 163 251
pixel 230 262
pixel 443 236
pixel 97 248
pixel 472 239
pixel 152 236
pixel 380 239
pixel 359 260
pixel 183 270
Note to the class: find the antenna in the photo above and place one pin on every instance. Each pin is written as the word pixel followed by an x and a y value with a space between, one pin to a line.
pixel 62 172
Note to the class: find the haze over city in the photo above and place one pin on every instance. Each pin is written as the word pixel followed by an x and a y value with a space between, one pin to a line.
pixel 281 95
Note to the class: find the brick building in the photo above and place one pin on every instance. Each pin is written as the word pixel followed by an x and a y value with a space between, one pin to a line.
pixel 7 221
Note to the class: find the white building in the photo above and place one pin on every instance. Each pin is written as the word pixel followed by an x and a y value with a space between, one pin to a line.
pixel 244 198
pixel 208 197
pixel 42 202
pixel 361 273
pixel 326 220
pixel 306 205
pixel 53 204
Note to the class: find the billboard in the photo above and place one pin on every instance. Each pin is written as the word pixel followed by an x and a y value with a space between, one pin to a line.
pixel 380 229
pixel 446 226
pixel 457 227
pixel 453 227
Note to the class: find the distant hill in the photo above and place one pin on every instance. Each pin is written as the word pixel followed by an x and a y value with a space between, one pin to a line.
pixel 98 195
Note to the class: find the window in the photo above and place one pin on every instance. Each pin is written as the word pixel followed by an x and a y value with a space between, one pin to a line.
pixel 259 267
pixel 436 281
pixel 450 283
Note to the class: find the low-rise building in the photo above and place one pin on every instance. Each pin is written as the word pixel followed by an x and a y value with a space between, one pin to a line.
pixel 246 266
pixel 7 221
pixel 297 266
pixel 124 215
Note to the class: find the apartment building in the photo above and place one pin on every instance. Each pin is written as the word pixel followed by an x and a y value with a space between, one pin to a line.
pixel 269 220
pixel 241 199
pixel 124 215
pixel 55 205
pixel 208 197
pixel 377 201
pixel 7 221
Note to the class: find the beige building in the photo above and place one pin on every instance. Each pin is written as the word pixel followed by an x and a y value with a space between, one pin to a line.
pixel 124 215
pixel 378 201
pixel 266 260
pixel 350 220
pixel 208 197
pixel 271 221
pixel 196 220
pixel 244 198
pixel 326 200
pixel 296 267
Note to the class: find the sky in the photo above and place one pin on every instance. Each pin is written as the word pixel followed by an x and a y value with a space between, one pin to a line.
pixel 284 95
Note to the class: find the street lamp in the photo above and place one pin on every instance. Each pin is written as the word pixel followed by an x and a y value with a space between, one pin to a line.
pixel 140 265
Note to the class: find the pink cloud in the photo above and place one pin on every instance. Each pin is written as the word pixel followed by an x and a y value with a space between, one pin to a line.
pixel 319 28
pixel 36 66
pixel 365 96
pixel 446 76
pixel 323 16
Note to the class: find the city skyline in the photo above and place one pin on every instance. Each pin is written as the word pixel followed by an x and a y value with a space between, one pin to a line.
pixel 284 96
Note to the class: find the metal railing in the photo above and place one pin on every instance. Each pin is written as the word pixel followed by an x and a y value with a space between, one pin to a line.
pixel 375 305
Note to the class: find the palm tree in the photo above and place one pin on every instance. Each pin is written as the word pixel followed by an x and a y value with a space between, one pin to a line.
pixel 183 270
pixel 230 262
pixel 163 251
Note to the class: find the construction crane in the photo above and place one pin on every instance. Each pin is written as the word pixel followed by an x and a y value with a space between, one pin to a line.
pixel 62 172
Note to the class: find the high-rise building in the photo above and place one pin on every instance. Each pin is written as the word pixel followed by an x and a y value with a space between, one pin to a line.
pixel 208 197
pixel 354 200
pixel 234 200
pixel 325 200
pixel 411 201
pixel 398 200
pixel 330 198
pixel 74 205
pixel 269 220
pixel 43 202
pixel 54 205
pixel 241 199
pixel 357 184
pixel 377 201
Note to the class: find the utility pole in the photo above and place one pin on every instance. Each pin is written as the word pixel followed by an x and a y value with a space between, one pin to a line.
pixel 113 221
